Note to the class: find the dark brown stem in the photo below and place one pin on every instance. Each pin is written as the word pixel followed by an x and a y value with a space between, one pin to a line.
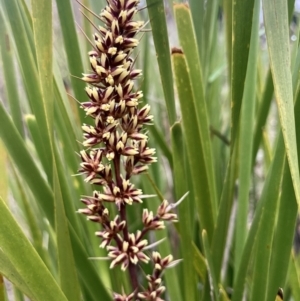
pixel 117 170
pixel 219 135
pixel 131 267
pixel 133 276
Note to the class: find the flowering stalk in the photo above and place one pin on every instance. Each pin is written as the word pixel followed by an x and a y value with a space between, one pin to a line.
pixel 117 149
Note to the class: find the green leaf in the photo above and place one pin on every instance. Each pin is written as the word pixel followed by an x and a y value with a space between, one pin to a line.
pixel 194 150
pixel 262 113
pixel 283 236
pixel 210 267
pixel 37 139
pixel 199 263
pixel 262 256
pixel 161 143
pixel 294 276
pixel 198 13
pixel 67 270
pixel 241 32
pixel 31 214
pixel 10 272
pixel 184 213
pixel 262 217
pixel 66 121
pixel 25 164
pixel 3 171
pixel 160 36
pixel 277 31
pixel 27 20
pixel 68 195
pixel 284 231
pixel 209 26
pixel 10 76
pixel 240 276
pixel 225 208
pixel 223 294
pixel 245 140
pixel 30 77
pixel 87 272
pixel 44 195
pixel 72 49
pixel 189 46
pixel 228 30
pixel 42 29
pixel 29 266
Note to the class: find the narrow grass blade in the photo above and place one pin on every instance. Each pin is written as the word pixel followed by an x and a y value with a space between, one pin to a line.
pixel 30 78
pixel 161 143
pixel 266 203
pixel 209 24
pixel 261 267
pixel 44 195
pixel 66 119
pixel 241 275
pixel 198 13
pixel 9 71
pixel 199 263
pixel 223 294
pixel 196 157
pixel 87 28
pixel 31 217
pixel 27 20
pixel 160 36
pixel 88 276
pixel 294 276
pixel 97 5
pixel 210 267
pixel 242 13
pixel 262 114
pixel 9 271
pixel 190 50
pixel 67 270
pixel 283 236
pixel 221 230
pixel 286 222
pixel 275 16
pixel 228 29
pixel 3 171
pixel 42 29
pixel 30 173
pixel 185 214
pixel 67 196
pixel 29 266
pixel 72 48
pixel 267 96
pixel 245 140
pixel 33 128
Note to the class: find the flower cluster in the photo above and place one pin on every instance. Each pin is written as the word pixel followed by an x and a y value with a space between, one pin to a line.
pixel 117 149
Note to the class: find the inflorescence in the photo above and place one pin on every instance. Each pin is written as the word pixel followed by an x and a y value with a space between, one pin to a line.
pixel 117 149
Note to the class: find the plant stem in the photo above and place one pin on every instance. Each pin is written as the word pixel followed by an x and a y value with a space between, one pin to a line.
pixel 131 267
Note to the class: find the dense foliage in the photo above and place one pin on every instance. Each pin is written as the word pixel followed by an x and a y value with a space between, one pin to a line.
pixel 222 80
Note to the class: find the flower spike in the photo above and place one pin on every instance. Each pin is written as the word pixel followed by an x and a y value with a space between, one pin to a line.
pixel 117 149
